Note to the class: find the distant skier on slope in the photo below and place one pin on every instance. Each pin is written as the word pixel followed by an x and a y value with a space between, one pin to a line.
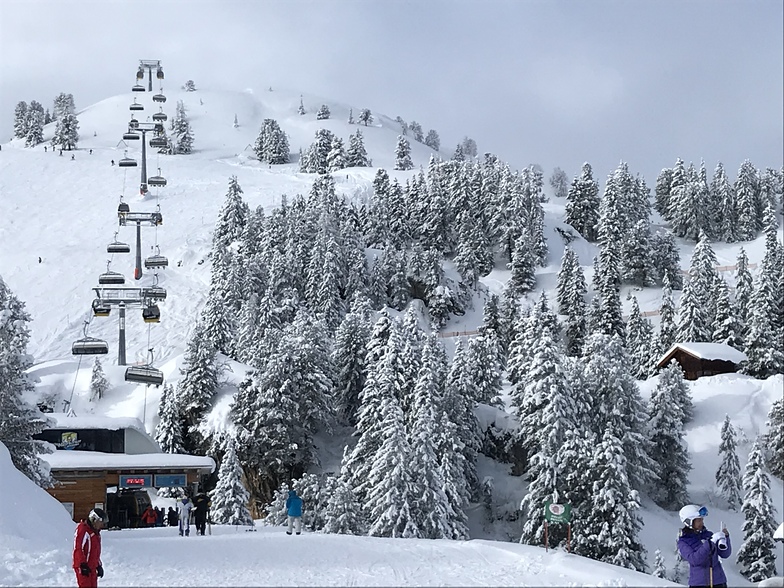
pixel 294 511
pixel 702 548
pixel 201 505
pixel 87 549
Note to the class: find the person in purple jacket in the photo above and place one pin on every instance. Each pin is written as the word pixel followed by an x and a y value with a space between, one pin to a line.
pixel 703 548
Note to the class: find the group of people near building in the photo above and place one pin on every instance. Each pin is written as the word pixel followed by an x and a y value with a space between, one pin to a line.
pixel 87 562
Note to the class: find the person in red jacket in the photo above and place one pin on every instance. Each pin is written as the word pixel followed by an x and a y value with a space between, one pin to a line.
pixel 87 549
pixel 149 517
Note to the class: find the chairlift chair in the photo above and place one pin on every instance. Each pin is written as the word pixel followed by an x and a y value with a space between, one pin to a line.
pixel 123 208
pixel 151 314
pixel 159 117
pixel 131 136
pixel 158 128
pixel 158 180
pixel 117 246
pixel 101 309
pixel 158 142
pixel 156 261
pixel 140 74
pixel 157 218
pixel 143 189
pixel 127 162
pixel 137 88
pixel 154 293
pixel 159 98
pixel 159 73
pixel 144 374
pixel 111 278
pixel 136 106
pixel 133 123
pixel 89 346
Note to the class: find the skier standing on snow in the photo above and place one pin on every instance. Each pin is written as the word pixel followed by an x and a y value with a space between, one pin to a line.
pixel 294 511
pixel 87 549
pixel 201 506
pixel 184 513
pixel 702 548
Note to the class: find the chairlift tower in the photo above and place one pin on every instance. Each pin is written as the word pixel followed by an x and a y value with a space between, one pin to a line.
pixel 144 128
pixel 122 297
pixel 149 65
pixel 150 219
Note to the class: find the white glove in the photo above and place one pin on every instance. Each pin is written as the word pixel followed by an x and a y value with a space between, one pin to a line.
pixel 718 536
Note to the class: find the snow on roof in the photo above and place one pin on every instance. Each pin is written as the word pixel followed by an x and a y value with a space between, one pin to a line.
pixel 63 421
pixel 63 459
pixel 718 351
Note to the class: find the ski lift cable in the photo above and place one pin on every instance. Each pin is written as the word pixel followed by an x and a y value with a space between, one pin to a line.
pixel 76 375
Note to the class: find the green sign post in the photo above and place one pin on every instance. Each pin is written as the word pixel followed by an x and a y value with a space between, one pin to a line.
pixel 558 513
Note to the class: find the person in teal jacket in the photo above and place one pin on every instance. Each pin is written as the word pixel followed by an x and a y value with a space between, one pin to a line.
pixel 703 548
pixel 294 512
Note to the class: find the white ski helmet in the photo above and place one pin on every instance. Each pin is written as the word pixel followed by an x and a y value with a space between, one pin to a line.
pixel 98 514
pixel 690 512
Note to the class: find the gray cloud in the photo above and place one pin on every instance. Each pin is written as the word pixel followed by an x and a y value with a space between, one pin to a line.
pixel 556 83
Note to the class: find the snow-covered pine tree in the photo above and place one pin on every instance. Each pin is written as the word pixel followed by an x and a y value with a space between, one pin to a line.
pixel 301 108
pixel 66 133
pixel 391 503
pixel 728 478
pixel 639 340
pixel 336 158
pixel 323 112
pixel 182 134
pixel 744 289
pixel 659 569
pixel 230 497
pixel 774 439
pixel 565 277
pixel 432 140
pixel 559 182
pixel 723 194
pixel 169 432
pixel 609 530
pixel 35 126
pixel 350 116
pixel 189 86
pixel 727 329
pixel 693 325
pixel 582 207
pixel 232 217
pixel 484 359
pixel 20 120
pixel 199 382
pixel 63 104
pixel 637 261
pixel 665 338
pixel 756 557
pixel 403 154
pixel 666 259
pixel 99 383
pixel 617 404
pixel 343 515
pixel 365 117
pixel 357 156
pixel 272 144
pixel 416 131
pixel 662 191
pixel 19 421
pixel 348 357
pixel 523 265
pixel 672 377
pixel 746 197
pixel 668 451
pixel 764 357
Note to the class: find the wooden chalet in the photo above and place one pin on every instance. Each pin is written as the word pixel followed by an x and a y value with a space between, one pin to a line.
pixel 703 359
pixel 109 462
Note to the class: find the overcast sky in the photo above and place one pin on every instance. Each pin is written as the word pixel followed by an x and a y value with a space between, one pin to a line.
pixel 551 82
